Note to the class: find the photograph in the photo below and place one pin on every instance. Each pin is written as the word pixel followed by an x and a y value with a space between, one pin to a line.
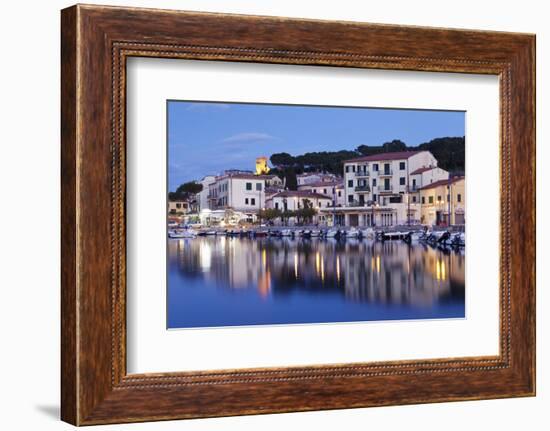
pixel 294 214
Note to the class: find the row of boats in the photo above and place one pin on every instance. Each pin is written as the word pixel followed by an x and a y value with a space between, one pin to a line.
pixel 443 238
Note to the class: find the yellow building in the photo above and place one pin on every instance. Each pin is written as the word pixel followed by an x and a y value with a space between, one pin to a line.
pixel 443 201
pixel 261 166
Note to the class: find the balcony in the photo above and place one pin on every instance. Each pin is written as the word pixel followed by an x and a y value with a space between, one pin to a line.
pixel 382 189
pixel 385 173
pixel 362 189
pixel 362 174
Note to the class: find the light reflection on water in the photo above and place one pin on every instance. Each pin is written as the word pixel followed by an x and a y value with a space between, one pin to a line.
pixel 219 281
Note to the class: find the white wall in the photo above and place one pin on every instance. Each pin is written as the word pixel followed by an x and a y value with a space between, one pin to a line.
pixel 29 86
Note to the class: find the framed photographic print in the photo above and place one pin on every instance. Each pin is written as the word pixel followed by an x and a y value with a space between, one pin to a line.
pixel 265 214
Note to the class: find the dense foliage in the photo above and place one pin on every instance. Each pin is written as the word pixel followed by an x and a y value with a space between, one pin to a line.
pixel 185 191
pixel 449 152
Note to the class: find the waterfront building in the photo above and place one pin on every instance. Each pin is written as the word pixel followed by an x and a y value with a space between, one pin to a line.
pixel 333 189
pixel 242 192
pixel 315 177
pixel 382 189
pixel 294 200
pixel 202 197
pixel 178 207
pixel 444 202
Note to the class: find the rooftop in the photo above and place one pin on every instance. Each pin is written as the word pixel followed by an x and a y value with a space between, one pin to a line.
pixel 399 155
pixel 423 169
pixel 442 183
pixel 300 194
pixel 323 184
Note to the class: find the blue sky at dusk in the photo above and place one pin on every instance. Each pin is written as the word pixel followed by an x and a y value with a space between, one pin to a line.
pixel 207 138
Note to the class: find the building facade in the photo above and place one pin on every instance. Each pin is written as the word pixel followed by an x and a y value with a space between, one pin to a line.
pixel 315 177
pixel 178 207
pixel 333 189
pixel 444 202
pixel 299 199
pixel 202 197
pixel 241 192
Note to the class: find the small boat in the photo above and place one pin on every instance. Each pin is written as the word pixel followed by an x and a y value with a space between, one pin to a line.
pixel 287 232
pixel 352 233
pixel 315 233
pixel 458 239
pixel 306 233
pixel 333 233
pixel 413 237
pixel 368 233
pixel 210 232
pixel 186 233
pixel 260 233
pixel 221 232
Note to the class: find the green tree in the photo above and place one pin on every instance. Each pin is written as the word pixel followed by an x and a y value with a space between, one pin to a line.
pixel 269 214
pixel 191 187
pixel 281 159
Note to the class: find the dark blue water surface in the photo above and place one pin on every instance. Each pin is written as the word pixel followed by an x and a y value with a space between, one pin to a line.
pixel 219 281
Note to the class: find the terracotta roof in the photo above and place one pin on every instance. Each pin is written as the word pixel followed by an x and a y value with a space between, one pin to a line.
pixel 423 169
pixel 399 155
pixel 299 194
pixel 441 183
pixel 322 184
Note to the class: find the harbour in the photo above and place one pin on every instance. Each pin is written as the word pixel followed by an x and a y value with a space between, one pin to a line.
pixel 220 280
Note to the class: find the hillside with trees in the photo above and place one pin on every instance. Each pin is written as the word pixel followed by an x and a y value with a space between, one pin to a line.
pixel 449 152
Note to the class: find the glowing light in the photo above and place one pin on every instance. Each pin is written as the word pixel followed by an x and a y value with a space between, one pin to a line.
pixel 377 263
pixel 264 258
pixel 438 270
pixel 296 265
pixel 338 268
pixel 317 262
pixel 322 270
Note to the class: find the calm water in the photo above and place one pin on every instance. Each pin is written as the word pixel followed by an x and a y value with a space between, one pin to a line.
pixel 218 281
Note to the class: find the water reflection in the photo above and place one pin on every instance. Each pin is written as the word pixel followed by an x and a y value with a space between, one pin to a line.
pixel 219 281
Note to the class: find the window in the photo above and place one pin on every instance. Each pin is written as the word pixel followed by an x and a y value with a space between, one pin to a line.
pixel 276 205
pixel 347 168
pixel 325 191
pixel 248 186
pixel 178 205
pixel 374 197
pixel 375 167
pixel 340 194
pixel 438 198
pixel 386 168
pixel 350 198
pixel 252 201
pixel 259 187
pixel 350 183
pixel 402 166
pixel 459 197
pixel 374 182
pixel 353 168
pixel 448 197
pixel 246 201
pixel 414 183
pixel 423 200
pixel 431 199
pixel 402 181
pixel 414 199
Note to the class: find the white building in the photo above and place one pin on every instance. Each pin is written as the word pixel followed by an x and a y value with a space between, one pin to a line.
pixel 294 200
pixel 334 189
pixel 383 188
pixel 241 192
pixel 202 197
pixel 315 177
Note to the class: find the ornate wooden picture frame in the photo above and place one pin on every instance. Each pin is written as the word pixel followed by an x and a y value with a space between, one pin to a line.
pixel 96 41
